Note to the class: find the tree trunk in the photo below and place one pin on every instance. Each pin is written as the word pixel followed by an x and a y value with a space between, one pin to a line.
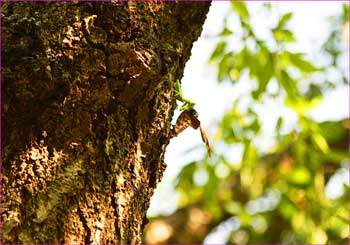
pixel 86 110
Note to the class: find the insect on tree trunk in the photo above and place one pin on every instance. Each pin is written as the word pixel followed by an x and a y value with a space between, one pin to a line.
pixel 87 100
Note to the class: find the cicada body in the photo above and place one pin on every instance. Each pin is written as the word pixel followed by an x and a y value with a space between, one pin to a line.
pixel 187 118
pixel 190 118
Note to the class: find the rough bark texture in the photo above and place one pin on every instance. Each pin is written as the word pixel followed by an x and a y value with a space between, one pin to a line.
pixel 87 104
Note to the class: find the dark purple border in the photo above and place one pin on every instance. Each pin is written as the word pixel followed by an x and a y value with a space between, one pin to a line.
pixel 1 121
pixel 349 119
pixel 1 1
pixel 348 1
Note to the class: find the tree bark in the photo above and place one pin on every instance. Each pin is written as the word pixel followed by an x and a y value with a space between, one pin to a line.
pixel 86 110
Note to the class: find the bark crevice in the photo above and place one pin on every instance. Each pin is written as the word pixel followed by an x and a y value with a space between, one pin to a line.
pixel 87 239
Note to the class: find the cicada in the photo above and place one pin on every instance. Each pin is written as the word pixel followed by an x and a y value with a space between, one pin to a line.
pixel 190 118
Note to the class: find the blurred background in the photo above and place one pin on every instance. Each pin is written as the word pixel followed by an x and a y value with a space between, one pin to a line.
pixel 271 86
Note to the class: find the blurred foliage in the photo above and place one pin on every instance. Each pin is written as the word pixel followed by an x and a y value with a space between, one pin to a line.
pixel 279 196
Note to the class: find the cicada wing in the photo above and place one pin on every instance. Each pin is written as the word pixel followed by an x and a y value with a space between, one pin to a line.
pixel 205 140
pixel 182 122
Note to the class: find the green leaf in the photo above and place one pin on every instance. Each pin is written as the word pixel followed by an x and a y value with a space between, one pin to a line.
pixel 218 51
pixel 241 9
pixel 284 19
pixel 300 176
pixel 303 65
pixel 302 105
pixel 268 6
pixel 225 66
pixel 283 35
pixel 211 190
pixel 249 155
pixel 279 124
pixel 313 91
pixel 299 150
pixel 233 207
pixel 345 12
pixel 255 126
pixel 335 156
pixel 263 70
pixel 184 179
pixel 287 208
pixel 331 46
pixel 243 59
pixel 225 32
pixel 333 131
pixel 320 142
pixel 288 84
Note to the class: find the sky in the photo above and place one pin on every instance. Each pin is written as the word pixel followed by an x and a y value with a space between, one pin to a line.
pixel 199 84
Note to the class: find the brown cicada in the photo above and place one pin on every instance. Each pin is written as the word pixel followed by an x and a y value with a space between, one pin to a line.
pixel 190 118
